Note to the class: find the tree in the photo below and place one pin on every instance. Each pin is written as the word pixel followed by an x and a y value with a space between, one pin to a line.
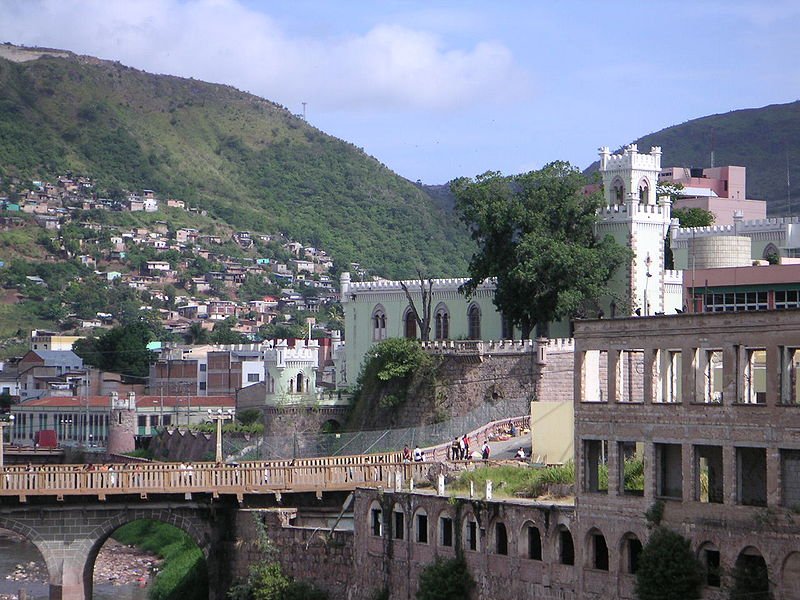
pixel 196 334
pixel 121 350
pixel 445 580
pixel 668 570
pixel 223 333
pixel 693 217
pixel 535 235
pixel 426 292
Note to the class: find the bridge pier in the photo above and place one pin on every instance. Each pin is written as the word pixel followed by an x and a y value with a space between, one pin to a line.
pixel 66 578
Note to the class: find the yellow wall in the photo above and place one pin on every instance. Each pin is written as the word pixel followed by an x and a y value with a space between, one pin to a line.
pixel 553 431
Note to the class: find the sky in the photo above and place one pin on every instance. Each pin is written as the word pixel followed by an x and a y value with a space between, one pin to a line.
pixel 442 89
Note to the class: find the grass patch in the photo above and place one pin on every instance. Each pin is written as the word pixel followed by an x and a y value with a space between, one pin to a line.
pixel 517 481
pixel 183 573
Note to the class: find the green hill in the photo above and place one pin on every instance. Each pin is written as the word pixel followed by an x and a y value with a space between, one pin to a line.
pixel 761 139
pixel 248 161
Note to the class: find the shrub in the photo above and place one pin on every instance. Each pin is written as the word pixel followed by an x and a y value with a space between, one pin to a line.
pixel 668 570
pixel 445 580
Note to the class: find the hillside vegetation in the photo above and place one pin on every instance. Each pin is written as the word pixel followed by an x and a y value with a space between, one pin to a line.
pixel 761 139
pixel 246 160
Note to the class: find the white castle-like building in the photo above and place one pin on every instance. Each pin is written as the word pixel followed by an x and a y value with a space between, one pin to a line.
pixel 638 219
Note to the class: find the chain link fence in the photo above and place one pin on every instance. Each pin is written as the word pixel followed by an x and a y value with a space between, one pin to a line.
pixel 310 445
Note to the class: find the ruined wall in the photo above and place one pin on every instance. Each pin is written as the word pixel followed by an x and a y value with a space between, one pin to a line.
pixel 499 570
pixel 305 553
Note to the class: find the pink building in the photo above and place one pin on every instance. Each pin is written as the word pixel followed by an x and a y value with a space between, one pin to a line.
pixel 720 190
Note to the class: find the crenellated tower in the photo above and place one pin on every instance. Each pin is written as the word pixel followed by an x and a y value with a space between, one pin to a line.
pixel 638 219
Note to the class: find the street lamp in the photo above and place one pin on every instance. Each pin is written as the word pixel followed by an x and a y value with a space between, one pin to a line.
pixel 219 416
pixel 3 425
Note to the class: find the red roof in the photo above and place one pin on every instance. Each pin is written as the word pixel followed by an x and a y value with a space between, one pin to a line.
pixel 141 401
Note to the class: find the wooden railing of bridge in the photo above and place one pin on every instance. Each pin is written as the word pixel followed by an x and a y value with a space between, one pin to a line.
pixel 302 475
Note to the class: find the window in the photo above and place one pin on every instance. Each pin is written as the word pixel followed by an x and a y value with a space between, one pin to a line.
pixel 253 377
pixel 534 543
pixel 787 299
pixel 755 376
pixel 446 531
pixel 422 528
pixel 751 471
pixel 166 420
pixel 507 328
pixel 203 367
pixel 708 474
pixel 735 301
pixel 595 468
pixel 600 552
pixel 566 549
pixel 790 385
pixel 668 468
pixel 399 525
pixel 471 535
pixel 410 323
pixel 672 370
pixel 709 556
pixel 713 376
pixel 202 385
pixel 631 554
pixel 441 321
pixel 631 468
pixel 141 421
pixel 474 322
pixel 500 538
pixel 378 323
pixel 377 525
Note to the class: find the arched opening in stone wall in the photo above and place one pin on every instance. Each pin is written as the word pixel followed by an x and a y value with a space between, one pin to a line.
pixel 22 566
pixel 530 542
pixel 750 576
pixel 790 576
pixel 148 554
pixel 597 557
pixel 630 551
pixel 331 426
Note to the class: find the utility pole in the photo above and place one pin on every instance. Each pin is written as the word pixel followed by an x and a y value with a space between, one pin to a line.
pixel 219 416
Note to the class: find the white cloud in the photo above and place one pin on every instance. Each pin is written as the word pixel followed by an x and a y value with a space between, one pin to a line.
pixel 389 66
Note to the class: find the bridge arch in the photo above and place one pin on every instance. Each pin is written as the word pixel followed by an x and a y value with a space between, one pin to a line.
pixel 69 552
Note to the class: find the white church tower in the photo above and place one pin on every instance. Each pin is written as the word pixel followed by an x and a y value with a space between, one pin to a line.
pixel 637 219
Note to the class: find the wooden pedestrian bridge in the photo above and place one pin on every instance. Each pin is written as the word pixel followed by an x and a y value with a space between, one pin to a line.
pixel 317 475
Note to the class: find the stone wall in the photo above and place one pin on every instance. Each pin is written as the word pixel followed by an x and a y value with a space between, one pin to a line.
pixel 305 553
pixel 500 570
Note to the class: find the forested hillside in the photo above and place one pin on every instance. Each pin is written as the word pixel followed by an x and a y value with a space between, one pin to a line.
pixel 246 160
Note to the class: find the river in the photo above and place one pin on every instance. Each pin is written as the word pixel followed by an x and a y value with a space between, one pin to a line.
pixel 120 573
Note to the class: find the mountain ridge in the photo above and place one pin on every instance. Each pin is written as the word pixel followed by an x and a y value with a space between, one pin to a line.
pixel 245 159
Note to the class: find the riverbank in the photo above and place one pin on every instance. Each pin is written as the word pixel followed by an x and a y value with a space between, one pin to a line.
pixel 116 564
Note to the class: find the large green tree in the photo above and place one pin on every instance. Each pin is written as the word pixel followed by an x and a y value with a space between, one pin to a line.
pixel 122 349
pixel 668 569
pixel 535 235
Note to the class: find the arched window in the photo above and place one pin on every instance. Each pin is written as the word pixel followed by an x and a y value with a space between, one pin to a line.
pixel 378 323
pixel 598 556
pixel 410 325
pixel 508 328
pixel 421 526
pixel 618 191
pixel 709 558
pixel 530 542
pixel 446 529
pixel 471 533
pixel 644 191
pixel 566 547
pixel 474 322
pixel 631 550
pixel 441 321
pixel 376 519
pixel 500 538
pixel 771 253
pixel 299 387
pixel 751 575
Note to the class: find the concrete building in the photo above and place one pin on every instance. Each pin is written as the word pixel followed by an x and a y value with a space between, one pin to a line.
pixel 719 190
pixel 376 310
